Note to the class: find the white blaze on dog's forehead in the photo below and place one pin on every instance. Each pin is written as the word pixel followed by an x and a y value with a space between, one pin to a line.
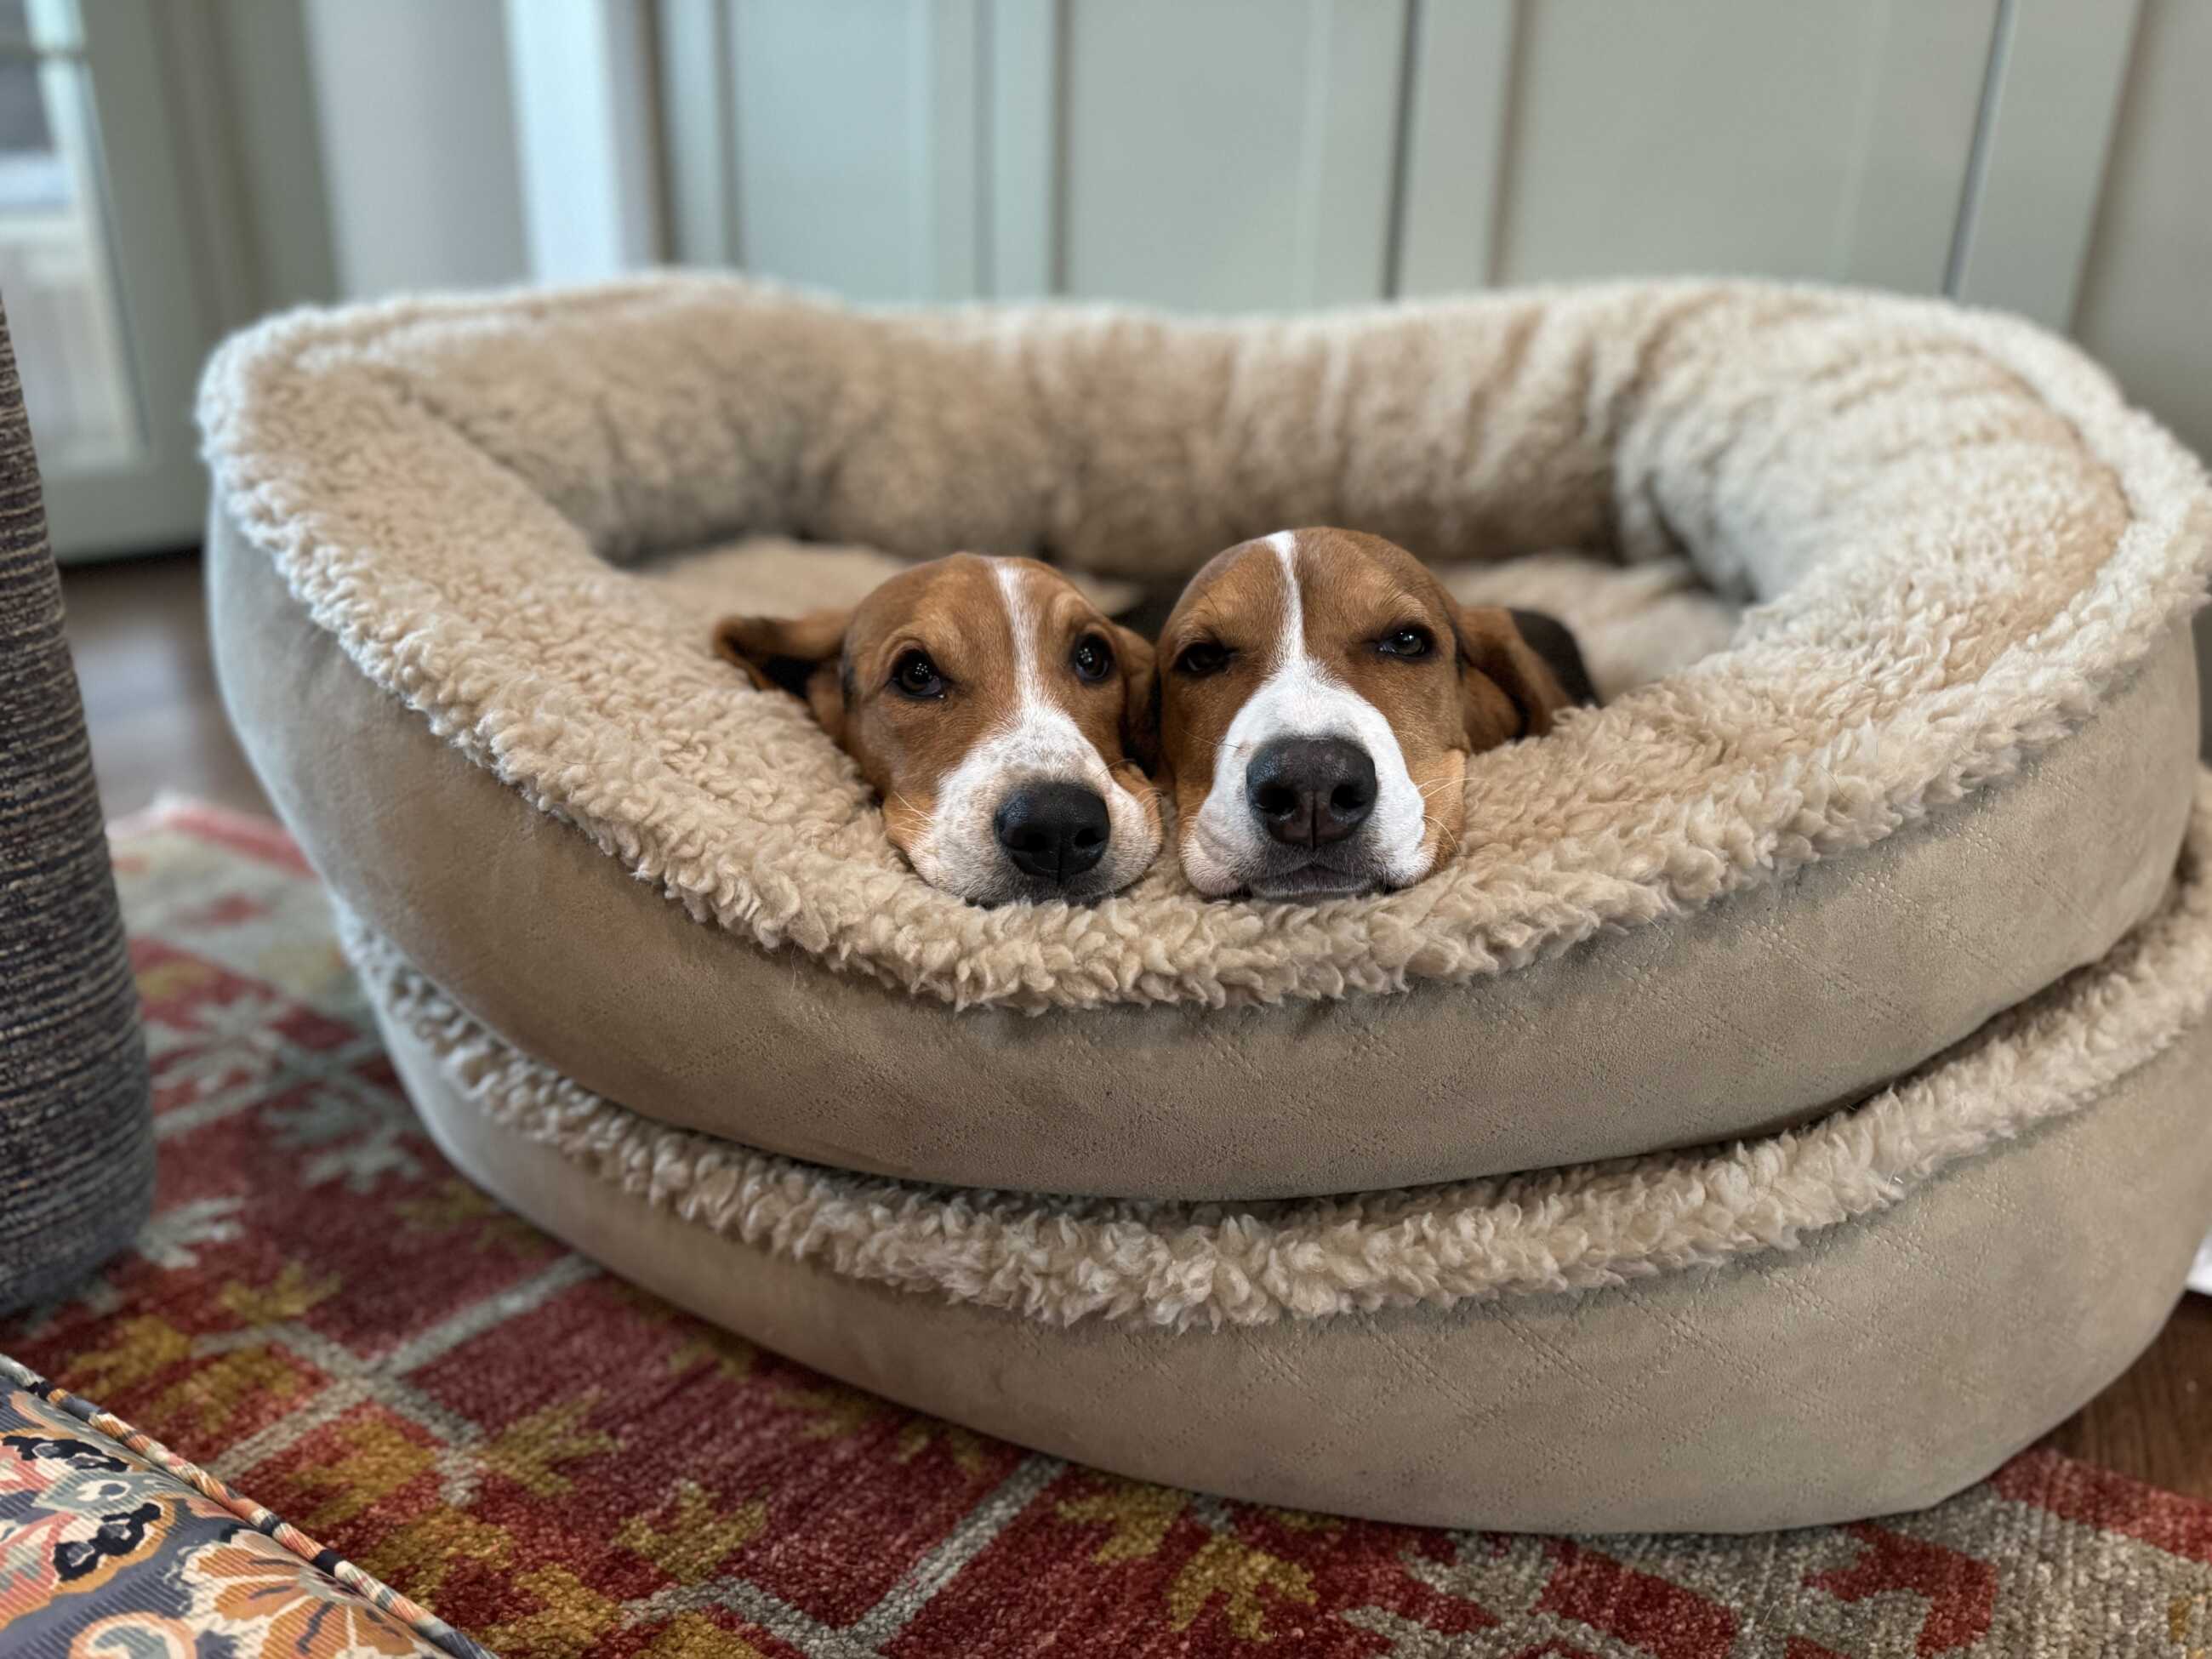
pixel 1021 619
pixel 1032 740
pixel 1293 638
pixel 1300 698
pixel 1040 739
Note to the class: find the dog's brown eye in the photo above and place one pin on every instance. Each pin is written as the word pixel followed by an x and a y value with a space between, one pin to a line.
pixel 1410 643
pixel 1201 658
pixel 915 676
pixel 1093 659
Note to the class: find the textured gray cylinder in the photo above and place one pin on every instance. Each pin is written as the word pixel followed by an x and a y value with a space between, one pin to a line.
pixel 77 1134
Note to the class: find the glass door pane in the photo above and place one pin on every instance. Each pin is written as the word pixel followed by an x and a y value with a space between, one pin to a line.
pixel 108 237
pixel 57 262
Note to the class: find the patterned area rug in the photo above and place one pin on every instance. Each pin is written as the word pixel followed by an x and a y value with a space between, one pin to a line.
pixel 325 1315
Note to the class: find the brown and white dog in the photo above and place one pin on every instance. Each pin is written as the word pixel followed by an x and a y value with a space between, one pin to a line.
pixel 1320 694
pixel 1002 719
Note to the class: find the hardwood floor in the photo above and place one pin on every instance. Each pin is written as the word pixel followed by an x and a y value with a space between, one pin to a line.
pixel 2155 1423
pixel 157 724
pixel 136 630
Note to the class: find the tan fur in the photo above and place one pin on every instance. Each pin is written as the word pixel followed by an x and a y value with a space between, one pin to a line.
pixel 952 610
pixel 1481 687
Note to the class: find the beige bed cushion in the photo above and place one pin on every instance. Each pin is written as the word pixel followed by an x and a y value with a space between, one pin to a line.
pixel 1856 1318
pixel 1671 1035
pixel 1961 538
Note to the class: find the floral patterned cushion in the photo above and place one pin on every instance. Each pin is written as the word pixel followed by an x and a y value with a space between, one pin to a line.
pixel 112 1546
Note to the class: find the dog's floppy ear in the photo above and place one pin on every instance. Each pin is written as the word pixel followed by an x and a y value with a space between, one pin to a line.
pixel 1526 668
pixel 1141 697
pixel 801 655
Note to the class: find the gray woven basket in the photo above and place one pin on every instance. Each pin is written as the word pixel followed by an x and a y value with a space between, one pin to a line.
pixel 77 1142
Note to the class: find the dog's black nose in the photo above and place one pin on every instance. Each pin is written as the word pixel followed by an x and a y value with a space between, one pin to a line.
pixel 1055 830
pixel 1309 792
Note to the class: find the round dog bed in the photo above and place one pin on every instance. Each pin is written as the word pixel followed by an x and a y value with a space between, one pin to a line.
pixel 1942 759
pixel 1856 1317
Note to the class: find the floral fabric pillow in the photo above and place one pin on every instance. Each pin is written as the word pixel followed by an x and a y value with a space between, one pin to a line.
pixel 112 1547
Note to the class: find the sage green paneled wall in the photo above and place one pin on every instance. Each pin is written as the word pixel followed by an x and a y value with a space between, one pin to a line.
pixel 2146 295
pixel 2145 305
pixel 1803 139
pixel 1232 154
pixel 2049 157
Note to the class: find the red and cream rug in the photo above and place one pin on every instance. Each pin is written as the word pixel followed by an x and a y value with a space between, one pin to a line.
pixel 327 1317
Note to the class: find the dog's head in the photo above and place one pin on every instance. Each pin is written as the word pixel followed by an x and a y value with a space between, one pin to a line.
pixel 1004 722
pixel 1320 694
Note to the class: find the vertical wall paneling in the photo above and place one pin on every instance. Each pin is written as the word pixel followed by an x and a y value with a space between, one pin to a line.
pixel 1790 138
pixel 2144 302
pixel 945 148
pixel 272 111
pixel 1461 101
pixel 1355 63
pixel 1229 155
pixel 209 153
pixel 417 132
pixel 822 96
pixel 582 88
pixel 1022 146
pixel 2048 126
pixel 698 136
pixel 1915 143
pixel 1234 154
pixel 1184 126
pixel 245 118
pixel 2145 309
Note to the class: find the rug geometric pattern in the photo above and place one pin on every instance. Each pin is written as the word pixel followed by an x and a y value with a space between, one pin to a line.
pixel 325 1315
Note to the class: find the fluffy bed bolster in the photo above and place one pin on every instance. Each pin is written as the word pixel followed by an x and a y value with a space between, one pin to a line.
pixel 1179 1264
pixel 1953 535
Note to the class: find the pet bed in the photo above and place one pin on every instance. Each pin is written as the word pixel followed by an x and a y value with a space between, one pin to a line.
pixel 463 552
pixel 1945 758
pixel 1853 1318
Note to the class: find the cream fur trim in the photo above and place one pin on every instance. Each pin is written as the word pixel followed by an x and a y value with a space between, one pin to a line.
pixel 1182 1265
pixel 1961 535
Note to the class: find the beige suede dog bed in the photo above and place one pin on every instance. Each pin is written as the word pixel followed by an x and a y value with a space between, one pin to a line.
pixel 1854 1318
pixel 1942 761
pixel 1890 599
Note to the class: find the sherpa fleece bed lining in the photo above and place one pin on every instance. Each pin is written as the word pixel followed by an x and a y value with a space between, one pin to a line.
pixel 1179 1265
pixel 1959 535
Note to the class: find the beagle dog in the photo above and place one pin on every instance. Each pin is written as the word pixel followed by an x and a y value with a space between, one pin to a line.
pixel 1320 694
pixel 1004 721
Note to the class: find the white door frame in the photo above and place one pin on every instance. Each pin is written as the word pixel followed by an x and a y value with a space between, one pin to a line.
pixel 156 497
